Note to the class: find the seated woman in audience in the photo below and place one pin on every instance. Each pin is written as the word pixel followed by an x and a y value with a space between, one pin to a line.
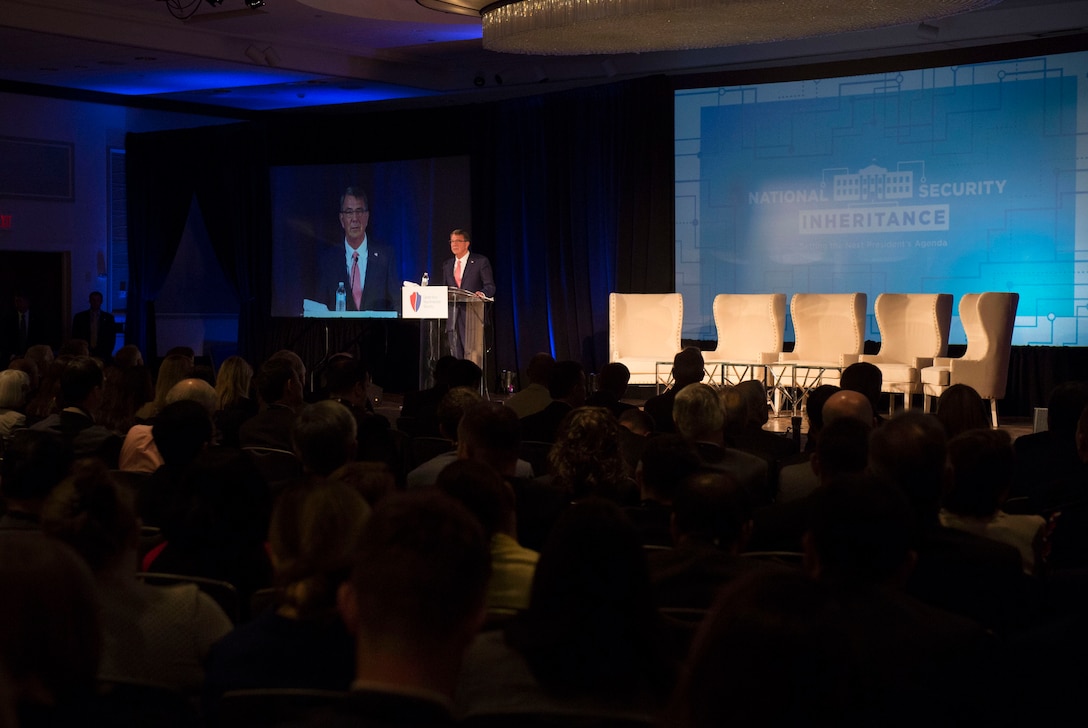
pixel 233 403
pixel 14 385
pixel 960 408
pixel 151 634
pixel 124 391
pixel 586 459
pixel 982 464
pixel 46 401
pixel 301 642
pixel 173 369
pixel 591 641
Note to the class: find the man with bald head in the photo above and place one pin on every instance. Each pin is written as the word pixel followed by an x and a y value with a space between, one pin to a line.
pixel 847 403
pixel 139 452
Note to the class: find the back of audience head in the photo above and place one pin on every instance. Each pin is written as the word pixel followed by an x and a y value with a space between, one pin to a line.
pixel 687 367
pixel 325 436
pixel 452 407
pixel 233 381
pixel 909 450
pixel 173 369
pixel 313 535
pixel 860 533
pixel 960 408
pixel 1066 402
pixel 372 480
pixel 193 390
pixel 591 622
pixel 613 378
pixel 294 360
pixel 465 373
pixel 344 374
pixel 776 623
pixel 49 629
pixel 181 430
pixel 128 356
pixel 480 489
pixel 843 448
pixel 278 381
pixel 417 587
pixel 93 515
pixel 442 369
pixel 637 421
pixel 489 433
pixel 754 393
pixel 40 354
pixel 34 463
pixel 14 385
pixel 586 457
pixel 74 347
pixel 698 413
pixel 666 462
pixel 734 406
pixel 31 370
pixel 981 464
pixel 567 382
pixel 847 403
pixel 539 369
pixel 814 408
pixel 711 509
pixel 80 380
pixel 865 378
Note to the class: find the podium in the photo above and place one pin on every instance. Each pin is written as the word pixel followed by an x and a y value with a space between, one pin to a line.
pixel 465 325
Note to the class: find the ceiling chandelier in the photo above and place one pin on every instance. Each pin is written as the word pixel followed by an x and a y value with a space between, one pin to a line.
pixel 582 27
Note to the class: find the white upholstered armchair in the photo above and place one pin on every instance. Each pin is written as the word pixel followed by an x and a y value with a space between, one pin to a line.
pixel 643 329
pixel 913 331
pixel 750 328
pixel 988 320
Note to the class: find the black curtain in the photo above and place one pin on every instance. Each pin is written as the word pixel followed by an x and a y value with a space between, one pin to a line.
pixel 225 168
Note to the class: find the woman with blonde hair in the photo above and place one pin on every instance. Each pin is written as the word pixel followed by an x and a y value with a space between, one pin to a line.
pixel 14 385
pixel 233 403
pixel 173 369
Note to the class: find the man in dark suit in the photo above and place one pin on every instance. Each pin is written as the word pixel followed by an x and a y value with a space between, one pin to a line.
pixel 20 330
pixel 365 267
pixel 469 272
pixel 96 327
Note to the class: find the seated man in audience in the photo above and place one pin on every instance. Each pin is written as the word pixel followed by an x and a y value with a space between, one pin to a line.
pixel 450 410
pixel 666 462
pixel 867 379
pixel 712 520
pixel 280 385
pixel 324 437
pixel 687 368
pixel 81 392
pixel 611 389
pixel 700 419
pixel 347 379
pixel 34 463
pixel 957 571
pixel 770 446
pixel 139 452
pixel 567 386
pixel 414 604
pixel 480 489
pixel 1046 461
pixel 534 397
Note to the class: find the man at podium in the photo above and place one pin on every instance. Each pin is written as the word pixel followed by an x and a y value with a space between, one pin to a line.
pixel 470 272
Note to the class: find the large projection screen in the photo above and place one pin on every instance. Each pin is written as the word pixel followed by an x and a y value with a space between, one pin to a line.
pixel 940 180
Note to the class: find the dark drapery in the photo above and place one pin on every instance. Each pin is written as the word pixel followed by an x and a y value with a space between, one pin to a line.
pixel 224 167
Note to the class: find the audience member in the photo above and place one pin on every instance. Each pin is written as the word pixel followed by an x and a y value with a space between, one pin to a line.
pixel 535 396
pixel 982 464
pixel 140 452
pixel 611 389
pixel 448 416
pixel 158 635
pixel 324 437
pixel 1046 460
pixel 414 601
pixel 347 379
pixel 373 481
pixel 280 385
pixel 699 418
pixel 172 370
pixel 81 391
pixel 233 403
pixel 567 386
pixel 124 392
pixel 483 492
pixel 667 461
pixel 585 459
pixel 960 408
pixel 34 463
pixel 591 642
pixel 14 385
pixel 687 368
pixel 419 410
pixel 866 378
pixel 301 642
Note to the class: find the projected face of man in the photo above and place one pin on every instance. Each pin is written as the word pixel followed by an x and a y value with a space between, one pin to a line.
pixel 459 244
pixel 354 215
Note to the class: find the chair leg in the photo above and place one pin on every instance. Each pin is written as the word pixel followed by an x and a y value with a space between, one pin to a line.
pixel 925 402
pixel 993 412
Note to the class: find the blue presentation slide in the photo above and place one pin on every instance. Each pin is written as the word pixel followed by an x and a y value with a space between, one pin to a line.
pixel 943 180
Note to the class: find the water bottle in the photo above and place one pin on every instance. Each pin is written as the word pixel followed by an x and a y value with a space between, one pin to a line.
pixel 426 279
pixel 341 297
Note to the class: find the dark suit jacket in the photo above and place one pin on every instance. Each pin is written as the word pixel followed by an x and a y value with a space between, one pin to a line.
pixel 381 289
pixel 9 334
pixel 107 332
pixel 475 277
